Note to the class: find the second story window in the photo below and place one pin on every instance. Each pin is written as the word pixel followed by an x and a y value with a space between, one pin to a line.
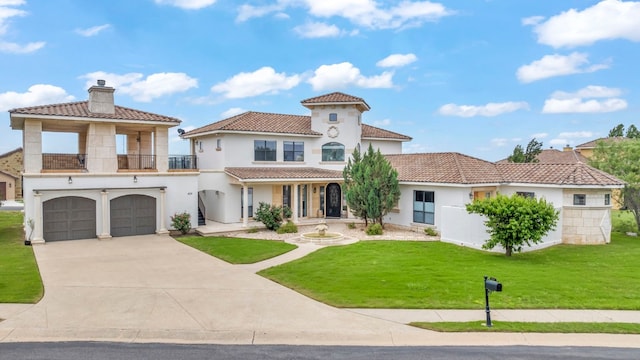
pixel 333 151
pixel 264 150
pixel 333 117
pixel 293 151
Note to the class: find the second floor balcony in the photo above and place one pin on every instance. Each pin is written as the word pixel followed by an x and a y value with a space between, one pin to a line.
pixel 78 162
pixel 183 162
pixel 58 161
pixel 136 162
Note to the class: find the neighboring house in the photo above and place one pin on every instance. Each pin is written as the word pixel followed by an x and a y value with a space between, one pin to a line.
pixel 7 186
pixel 96 192
pixel 554 156
pixel 289 160
pixel 11 163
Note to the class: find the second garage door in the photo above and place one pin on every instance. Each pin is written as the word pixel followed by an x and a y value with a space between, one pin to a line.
pixel 133 215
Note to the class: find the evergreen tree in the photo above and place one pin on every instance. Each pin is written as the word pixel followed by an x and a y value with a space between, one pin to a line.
pixel 530 155
pixel 617 131
pixel 371 185
pixel 633 132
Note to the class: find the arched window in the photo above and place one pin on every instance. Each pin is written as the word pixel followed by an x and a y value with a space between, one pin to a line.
pixel 333 151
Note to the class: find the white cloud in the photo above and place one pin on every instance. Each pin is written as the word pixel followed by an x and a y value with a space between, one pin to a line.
pixel 232 112
pixel 92 31
pixel 7 13
pixel 187 4
pixel 13 48
pixel 559 142
pixel 532 20
pixel 576 134
pixel 577 105
pixel 539 135
pixel 262 81
pixel 382 123
pixel 577 102
pixel 36 95
pixel 364 13
pixel 317 30
pixel 344 74
pixel 141 89
pixel 591 91
pixel 397 60
pixel 413 148
pixel 606 20
pixel 499 141
pixel 557 65
pixel 490 109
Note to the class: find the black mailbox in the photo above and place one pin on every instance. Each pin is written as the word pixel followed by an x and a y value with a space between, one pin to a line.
pixel 492 285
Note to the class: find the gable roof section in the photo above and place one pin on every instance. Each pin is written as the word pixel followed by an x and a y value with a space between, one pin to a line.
pixel 592 144
pixel 555 156
pixel 336 98
pixel 252 121
pixel 281 173
pixel 455 168
pixel 80 109
pixel 8 174
pixel 579 174
pixel 372 132
pixel 10 152
pixel 448 168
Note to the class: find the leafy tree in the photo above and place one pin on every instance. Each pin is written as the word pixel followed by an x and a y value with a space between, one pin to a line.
pixel 633 132
pixel 617 131
pixel 269 215
pixel 513 221
pixel 530 155
pixel 370 185
pixel 621 159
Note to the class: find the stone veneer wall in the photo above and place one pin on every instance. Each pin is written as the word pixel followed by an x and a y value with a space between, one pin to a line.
pixel 588 224
pixel 11 163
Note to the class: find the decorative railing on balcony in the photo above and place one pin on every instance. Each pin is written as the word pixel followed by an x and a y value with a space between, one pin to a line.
pixel 179 162
pixel 136 162
pixel 64 161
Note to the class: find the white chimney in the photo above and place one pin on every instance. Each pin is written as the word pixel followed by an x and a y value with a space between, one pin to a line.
pixel 101 98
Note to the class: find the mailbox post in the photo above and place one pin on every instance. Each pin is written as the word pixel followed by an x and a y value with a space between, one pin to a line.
pixel 490 284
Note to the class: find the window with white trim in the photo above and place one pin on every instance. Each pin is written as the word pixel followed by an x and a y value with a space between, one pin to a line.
pixel 293 151
pixel 579 199
pixel 424 207
pixel 333 151
pixel 264 150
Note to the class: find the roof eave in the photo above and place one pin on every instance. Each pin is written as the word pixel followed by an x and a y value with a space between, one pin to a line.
pixel 168 123
pixel 385 139
pixel 214 132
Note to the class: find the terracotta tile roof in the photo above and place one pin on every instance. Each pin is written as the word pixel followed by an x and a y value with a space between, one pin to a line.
pixel 451 168
pixel 592 144
pixel 554 156
pixel 11 152
pixel 261 122
pixel 282 173
pixel 81 109
pixel 8 174
pixel 372 132
pixel 283 124
pixel 335 97
pixel 557 174
pixel 455 168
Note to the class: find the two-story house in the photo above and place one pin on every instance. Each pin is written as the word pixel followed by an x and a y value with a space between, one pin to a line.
pixel 289 160
pixel 96 191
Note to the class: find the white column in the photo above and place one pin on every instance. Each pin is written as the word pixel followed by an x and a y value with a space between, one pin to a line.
pixel 37 214
pixel 245 205
pixel 163 226
pixel 294 203
pixel 106 212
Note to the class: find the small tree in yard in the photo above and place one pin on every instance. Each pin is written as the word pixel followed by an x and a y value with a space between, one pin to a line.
pixel 622 160
pixel 370 185
pixel 515 221
pixel 269 215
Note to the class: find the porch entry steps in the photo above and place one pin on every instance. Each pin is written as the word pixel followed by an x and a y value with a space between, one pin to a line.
pixel 201 219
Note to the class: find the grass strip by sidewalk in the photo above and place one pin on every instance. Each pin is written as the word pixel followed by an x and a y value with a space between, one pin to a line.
pixel 436 275
pixel 532 327
pixel 237 250
pixel 20 280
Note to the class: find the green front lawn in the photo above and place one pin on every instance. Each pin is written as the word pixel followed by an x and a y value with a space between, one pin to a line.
pixel 19 276
pixel 237 251
pixel 435 275
pixel 555 327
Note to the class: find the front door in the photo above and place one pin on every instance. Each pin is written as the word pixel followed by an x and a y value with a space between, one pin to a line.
pixel 334 200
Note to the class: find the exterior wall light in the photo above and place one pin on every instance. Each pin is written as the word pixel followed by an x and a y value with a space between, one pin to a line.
pixel 70 180
pixel 135 179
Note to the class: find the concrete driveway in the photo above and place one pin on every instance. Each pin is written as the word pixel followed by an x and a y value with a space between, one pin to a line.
pixel 153 288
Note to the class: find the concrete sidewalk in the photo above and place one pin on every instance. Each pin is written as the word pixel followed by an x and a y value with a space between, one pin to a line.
pixel 155 289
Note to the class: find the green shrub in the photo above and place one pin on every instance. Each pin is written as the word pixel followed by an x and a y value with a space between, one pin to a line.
pixel 623 221
pixel 351 225
pixel 288 228
pixel 253 230
pixel 374 229
pixel 181 222
pixel 269 215
pixel 286 212
pixel 430 231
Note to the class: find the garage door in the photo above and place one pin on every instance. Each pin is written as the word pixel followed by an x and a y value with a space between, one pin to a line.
pixel 133 215
pixel 69 218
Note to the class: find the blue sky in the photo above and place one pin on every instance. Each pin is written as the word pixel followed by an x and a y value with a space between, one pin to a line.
pixel 477 76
